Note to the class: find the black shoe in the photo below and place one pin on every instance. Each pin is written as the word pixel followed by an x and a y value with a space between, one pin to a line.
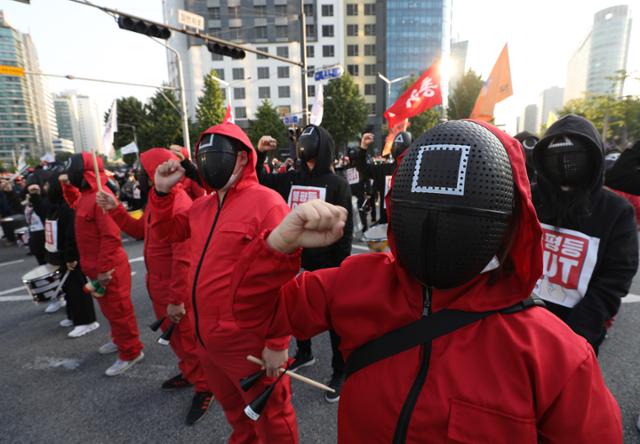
pixel 335 383
pixel 199 406
pixel 302 360
pixel 177 382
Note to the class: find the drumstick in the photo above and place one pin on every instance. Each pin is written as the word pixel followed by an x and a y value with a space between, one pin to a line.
pixel 296 376
pixel 64 279
pixel 96 170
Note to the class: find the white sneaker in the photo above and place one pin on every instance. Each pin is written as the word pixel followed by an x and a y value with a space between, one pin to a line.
pixel 66 323
pixel 121 366
pixel 108 348
pixel 82 330
pixel 55 306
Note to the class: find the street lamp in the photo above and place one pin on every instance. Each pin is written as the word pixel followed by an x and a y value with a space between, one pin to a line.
pixel 389 82
pixel 227 86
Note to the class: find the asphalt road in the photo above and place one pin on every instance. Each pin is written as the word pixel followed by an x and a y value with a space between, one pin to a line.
pixel 52 389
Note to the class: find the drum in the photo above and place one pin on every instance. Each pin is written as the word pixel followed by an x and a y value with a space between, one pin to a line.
pixel 42 282
pixel 376 238
pixel 21 236
pixel 12 223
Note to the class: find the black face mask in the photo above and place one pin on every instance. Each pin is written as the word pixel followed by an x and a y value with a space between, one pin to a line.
pixel 75 170
pixel 216 160
pixel 568 162
pixel 143 181
pixel 309 143
pixel 401 143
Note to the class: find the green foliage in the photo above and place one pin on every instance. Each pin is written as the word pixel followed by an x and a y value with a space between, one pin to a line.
pixel 210 110
pixel 267 123
pixel 463 97
pixel 63 156
pixel 345 111
pixel 162 125
pixel 130 112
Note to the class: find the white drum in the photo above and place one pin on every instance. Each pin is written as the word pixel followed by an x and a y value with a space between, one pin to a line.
pixel 376 238
pixel 22 237
pixel 42 282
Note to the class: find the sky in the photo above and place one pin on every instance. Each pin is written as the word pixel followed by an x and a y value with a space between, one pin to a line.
pixel 541 34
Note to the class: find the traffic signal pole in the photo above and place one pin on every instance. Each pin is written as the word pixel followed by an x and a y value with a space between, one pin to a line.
pixel 303 61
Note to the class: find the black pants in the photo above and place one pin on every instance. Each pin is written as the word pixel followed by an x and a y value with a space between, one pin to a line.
pixel 337 363
pixel 79 304
pixel 36 246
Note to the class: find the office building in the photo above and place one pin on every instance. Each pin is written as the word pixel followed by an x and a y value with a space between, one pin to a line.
pixel 78 120
pixel 549 101
pixel 528 121
pixel 63 146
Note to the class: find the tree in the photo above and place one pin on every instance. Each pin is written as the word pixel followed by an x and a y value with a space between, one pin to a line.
pixel 210 110
pixel 424 121
pixel 267 122
pixel 345 111
pixel 162 125
pixel 63 156
pixel 130 112
pixel 464 96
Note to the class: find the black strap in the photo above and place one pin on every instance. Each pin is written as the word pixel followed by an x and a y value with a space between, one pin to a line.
pixel 422 331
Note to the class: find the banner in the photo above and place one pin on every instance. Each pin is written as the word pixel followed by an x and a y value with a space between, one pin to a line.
pixel 424 94
pixel 393 132
pixel 317 110
pixel 228 115
pixel 129 149
pixel 496 88
pixel 109 130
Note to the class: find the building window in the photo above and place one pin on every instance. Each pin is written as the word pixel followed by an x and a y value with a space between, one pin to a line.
pixel 235 33
pixel 283 72
pixel 327 31
pixel 263 72
pixel 237 73
pixel 216 57
pixel 327 10
pixel 352 50
pixel 261 32
pixel 372 108
pixel 219 73
pixel 282 51
pixel 311 31
pixel 281 10
pixel 311 51
pixel 214 13
pixel 234 11
pixel 239 93
pixel 369 29
pixel 353 70
pixel 311 90
pixel 310 70
pixel 369 50
pixel 370 9
pixel 264 92
pixel 282 32
pixel 352 30
pixel 352 9
pixel 370 70
pixel 284 92
pixel 240 112
pixel 308 9
pixel 263 49
pixel 214 31
pixel 259 11
pixel 370 89
pixel 328 51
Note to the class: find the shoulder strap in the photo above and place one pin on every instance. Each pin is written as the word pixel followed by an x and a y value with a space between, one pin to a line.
pixel 423 330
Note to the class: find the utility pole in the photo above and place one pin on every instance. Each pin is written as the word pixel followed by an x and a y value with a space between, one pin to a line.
pixel 303 61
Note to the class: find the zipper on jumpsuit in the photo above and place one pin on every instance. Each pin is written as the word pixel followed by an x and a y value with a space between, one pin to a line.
pixel 197 274
pixel 402 426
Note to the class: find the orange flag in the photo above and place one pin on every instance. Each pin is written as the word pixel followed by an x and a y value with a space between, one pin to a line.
pixel 496 89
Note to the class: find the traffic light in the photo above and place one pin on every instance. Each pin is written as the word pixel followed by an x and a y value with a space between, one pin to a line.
pixel 229 51
pixel 143 27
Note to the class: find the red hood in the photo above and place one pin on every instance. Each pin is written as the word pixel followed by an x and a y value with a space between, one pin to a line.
pixel 89 174
pixel 153 157
pixel 526 251
pixel 234 131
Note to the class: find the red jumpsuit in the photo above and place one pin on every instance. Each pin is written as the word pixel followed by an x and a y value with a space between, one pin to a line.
pixel 100 248
pixel 523 377
pixel 167 270
pixel 218 233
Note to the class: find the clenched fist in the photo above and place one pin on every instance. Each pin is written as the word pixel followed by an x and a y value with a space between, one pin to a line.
pixel 313 224
pixel 267 143
pixel 106 201
pixel 167 175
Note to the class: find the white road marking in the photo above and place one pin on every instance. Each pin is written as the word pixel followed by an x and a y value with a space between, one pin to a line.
pixel 133 273
pixel 47 362
pixel 21 297
pixel 11 262
pixel 11 290
pixel 631 298
pixel 359 248
pixel 136 259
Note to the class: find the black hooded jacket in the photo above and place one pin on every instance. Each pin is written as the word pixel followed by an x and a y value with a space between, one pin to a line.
pixel 599 213
pixel 338 192
pixel 60 212
pixel 624 175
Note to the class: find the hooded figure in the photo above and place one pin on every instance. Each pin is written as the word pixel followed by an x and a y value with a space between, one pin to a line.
pixel 590 235
pixel 101 256
pixel 219 226
pixel 316 180
pixel 624 175
pixel 528 142
pixel 167 282
pixel 514 373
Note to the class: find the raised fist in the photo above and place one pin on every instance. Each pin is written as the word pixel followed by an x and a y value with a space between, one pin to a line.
pixel 167 175
pixel 267 143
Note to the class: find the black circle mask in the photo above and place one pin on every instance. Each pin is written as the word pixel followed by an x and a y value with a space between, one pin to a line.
pixel 75 170
pixel 400 144
pixel 216 159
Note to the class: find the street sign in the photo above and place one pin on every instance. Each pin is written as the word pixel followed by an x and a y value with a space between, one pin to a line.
pixel 187 18
pixel 328 73
pixel 7 70
pixel 291 120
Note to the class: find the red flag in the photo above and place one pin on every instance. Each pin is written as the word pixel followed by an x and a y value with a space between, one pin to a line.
pixel 228 117
pixel 424 94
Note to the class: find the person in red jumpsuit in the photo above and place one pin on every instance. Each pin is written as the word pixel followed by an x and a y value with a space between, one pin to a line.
pixel 103 258
pixel 512 372
pixel 219 227
pixel 167 273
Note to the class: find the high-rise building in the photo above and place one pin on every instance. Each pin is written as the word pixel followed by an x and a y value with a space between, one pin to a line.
pixel 549 101
pixel 67 118
pixel 272 26
pixel 458 62
pixel 78 120
pixel 528 121
pixel 577 71
pixel 63 145
pixel 26 112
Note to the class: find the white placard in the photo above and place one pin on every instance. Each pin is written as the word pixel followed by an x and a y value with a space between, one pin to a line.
pixel 352 175
pixel 300 194
pixel 51 235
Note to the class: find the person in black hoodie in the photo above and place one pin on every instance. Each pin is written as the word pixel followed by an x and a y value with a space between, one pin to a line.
pixel 314 178
pixel 60 245
pixel 528 142
pixel 590 237
pixel 624 175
